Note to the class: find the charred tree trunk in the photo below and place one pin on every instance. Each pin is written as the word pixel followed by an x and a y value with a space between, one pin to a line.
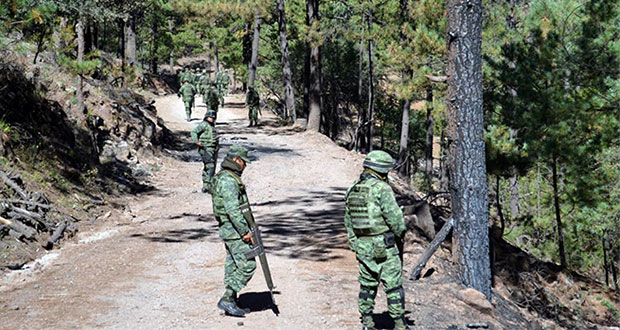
pixel 287 80
pixel 558 216
pixel 88 38
pixel 79 29
pixel 468 181
pixel 154 47
pixel 95 35
pixel 130 39
pixel 498 201
pixel 430 124
pixel 605 264
pixel 254 58
pixel 121 43
pixel 360 137
pixel 314 95
pixel 371 88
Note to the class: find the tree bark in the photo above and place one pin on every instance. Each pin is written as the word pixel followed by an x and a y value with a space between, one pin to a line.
pixel 121 43
pixel 216 54
pixel 79 29
pixel 514 195
pixel 558 216
pixel 254 58
pixel 468 181
pixel 430 125
pixel 498 201
pixel 130 39
pixel 314 95
pixel 403 149
pixel 361 116
pixel 171 47
pixel 606 265
pixel 371 87
pixel 289 96
pixel 154 47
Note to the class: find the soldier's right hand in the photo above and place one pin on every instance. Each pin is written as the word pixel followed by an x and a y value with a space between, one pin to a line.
pixel 248 238
pixel 199 144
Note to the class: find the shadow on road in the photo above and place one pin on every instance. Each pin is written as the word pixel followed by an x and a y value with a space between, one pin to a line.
pixel 256 301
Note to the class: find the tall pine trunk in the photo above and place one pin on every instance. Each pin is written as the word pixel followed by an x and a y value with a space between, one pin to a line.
pixel 130 39
pixel 558 216
pixel 403 149
pixel 171 63
pixel 79 29
pixel 254 58
pixel 154 46
pixel 430 126
pixel 216 54
pixel 360 137
pixel 468 181
pixel 314 94
pixel 371 87
pixel 289 96
pixel 121 43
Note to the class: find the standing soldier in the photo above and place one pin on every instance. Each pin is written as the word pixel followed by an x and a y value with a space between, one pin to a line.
pixel 212 98
pixel 228 196
pixel 205 137
pixel 252 100
pixel 225 82
pixel 375 227
pixel 187 91
pixel 203 83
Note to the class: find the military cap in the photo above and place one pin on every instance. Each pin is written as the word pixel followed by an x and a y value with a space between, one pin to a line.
pixel 210 113
pixel 236 150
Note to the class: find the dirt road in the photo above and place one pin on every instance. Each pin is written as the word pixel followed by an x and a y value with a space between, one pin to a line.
pixel 159 263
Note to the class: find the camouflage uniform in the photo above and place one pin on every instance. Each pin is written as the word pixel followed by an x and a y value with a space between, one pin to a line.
pixel 375 225
pixel 253 102
pixel 206 135
pixel 212 98
pixel 188 91
pixel 228 195
pixel 203 83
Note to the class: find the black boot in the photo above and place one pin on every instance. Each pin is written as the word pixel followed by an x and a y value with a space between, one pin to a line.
pixel 230 307
pixel 236 299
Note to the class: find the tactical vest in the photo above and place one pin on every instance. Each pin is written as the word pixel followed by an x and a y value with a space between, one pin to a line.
pixel 219 211
pixel 364 211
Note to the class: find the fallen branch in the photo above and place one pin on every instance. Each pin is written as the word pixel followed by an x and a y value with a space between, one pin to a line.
pixel 58 232
pixel 22 229
pixel 30 203
pixel 437 79
pixel 5 221
pixel 440 237
pixel 5 178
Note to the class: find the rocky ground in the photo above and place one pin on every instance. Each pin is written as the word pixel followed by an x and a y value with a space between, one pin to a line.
pixel 157 263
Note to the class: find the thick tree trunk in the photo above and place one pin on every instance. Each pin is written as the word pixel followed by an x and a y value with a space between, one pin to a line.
pixel 514 195
pixel 171 47
pixel 88 38
pixel 254 59
pixel 121 43
pixel 130 39
pixel 79 29
pixel 95 33
pixel 361 116
pixel 371 88
pixel 314 95
pixel 468 181
pixel 403 149
pixel 430 125
pixel 287 80
pixel 558 216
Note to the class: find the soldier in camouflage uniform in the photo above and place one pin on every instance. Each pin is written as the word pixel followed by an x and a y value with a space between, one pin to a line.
pixel 252 100
pixel 212 98
pixel 188 92
pixel 203 83
pixel 228 196
pixel 205 137
pixel 375 227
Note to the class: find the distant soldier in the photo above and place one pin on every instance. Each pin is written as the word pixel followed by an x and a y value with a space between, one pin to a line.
pixel 224 81
pixel 187 91
pixel 203 83
pixel 212 98
pixel 229 195
pixel 185 75
pixel 205 137
pixel 252 100
pixel 375 228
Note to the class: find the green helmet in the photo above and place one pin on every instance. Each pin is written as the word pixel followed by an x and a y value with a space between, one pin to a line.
pixel 210 113
pixel 379 161
pixel 236 150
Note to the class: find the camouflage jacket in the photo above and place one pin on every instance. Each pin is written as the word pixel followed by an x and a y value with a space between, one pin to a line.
pixel 183 76
pixel 213 97
pixel 383 196
pixel 188 91
pixel 252 99
pixel 228 195
pixel 205 134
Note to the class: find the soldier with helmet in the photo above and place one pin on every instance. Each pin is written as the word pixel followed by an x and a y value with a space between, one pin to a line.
pixel 205 137
pixel 375 227
pixel 187 91
pixel 228 197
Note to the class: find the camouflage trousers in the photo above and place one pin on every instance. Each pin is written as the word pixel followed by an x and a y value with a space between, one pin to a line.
pixel 253 115
pixel 209 161
pixel 188 107
pixel 379 264
pixel 238 270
